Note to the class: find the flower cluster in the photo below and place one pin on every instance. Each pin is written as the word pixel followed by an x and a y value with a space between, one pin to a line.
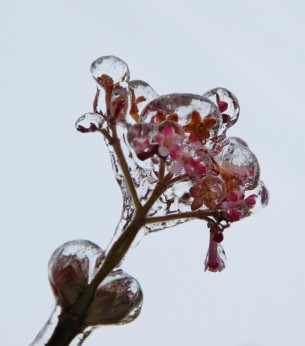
pixel 188 133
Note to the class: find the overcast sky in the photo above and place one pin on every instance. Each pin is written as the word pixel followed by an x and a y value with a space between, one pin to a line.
pixel 57 185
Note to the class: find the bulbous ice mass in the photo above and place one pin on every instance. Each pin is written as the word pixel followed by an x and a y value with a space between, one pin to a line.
pixel 118 300
pixel 188 109
pixel 110 66
pixel 71 268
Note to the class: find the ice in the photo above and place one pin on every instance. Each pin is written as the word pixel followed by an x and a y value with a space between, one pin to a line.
pixel 118 300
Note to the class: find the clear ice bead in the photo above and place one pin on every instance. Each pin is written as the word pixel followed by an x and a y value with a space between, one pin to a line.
pixel 239 160
pixel 142 94
pixel 111 66
pixel 228 105
pixel 261 195
pixel 71 268
pixel 89 122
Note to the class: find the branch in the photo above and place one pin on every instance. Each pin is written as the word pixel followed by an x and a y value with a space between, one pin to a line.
pixel 115 142
pixel 198 214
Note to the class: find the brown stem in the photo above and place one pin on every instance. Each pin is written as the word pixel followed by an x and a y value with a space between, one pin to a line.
pixel 183 177
pixel 66 330
pixel 115 142
pixel 199 214
pixel 107 136
pixel 71 323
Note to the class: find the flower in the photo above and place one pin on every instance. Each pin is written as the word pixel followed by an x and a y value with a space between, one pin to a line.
pixel 216 258
pixel 199 129
pixel 169 142
pixel 208 191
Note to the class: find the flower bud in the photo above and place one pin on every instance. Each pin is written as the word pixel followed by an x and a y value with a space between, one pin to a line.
pixel 216 258
pixel 71 268
pixel 118 300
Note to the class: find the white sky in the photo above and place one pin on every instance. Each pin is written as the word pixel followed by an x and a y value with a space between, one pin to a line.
pixel 57 185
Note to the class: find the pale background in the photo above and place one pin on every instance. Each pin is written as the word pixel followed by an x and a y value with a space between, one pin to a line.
pixel 57 185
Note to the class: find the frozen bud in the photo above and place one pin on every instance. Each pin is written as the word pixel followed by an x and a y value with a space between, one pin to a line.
pixel 109 70
pixel 216 258
pixel 71 268
pixel 89 122
pixel 118 300
pixel 227 104
pixel 217 234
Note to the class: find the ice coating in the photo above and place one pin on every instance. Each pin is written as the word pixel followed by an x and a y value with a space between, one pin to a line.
pixel 81 250
pixel 112 98
pixel 184 106
pixel 216 258
pixel 111 66
pixel 186 135
pixel 227 104
pixel 141 94
pixel 71 268
pixel 118 300
pixel 260 196
pixel 238 160
pixel 89 122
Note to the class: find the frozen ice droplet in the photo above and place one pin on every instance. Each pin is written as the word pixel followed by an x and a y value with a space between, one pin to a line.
pixel 71 268
pixel 89 122
pixel 216 258
pixel 184 106
pixel 239 160
pixel 227 104
pixel 118 300
pixel 112 67
pixel 259 198
pixel 141 94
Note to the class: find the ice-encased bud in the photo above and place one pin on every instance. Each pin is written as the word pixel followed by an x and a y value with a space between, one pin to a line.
pixel 216 258
pixel 71 267
pixel 260 197
pixel 118 300
pixel 141 94
pixel 192 111
pixel 112 67
pixel 89 122
pixel 227 104
pixel 237 160
pixel 141 138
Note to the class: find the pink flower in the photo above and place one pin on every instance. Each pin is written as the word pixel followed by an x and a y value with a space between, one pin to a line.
pixel 169 142
pixel 140 137
pixel 216 258
pixel 143 148
pixel 235 206
pixel 193 167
